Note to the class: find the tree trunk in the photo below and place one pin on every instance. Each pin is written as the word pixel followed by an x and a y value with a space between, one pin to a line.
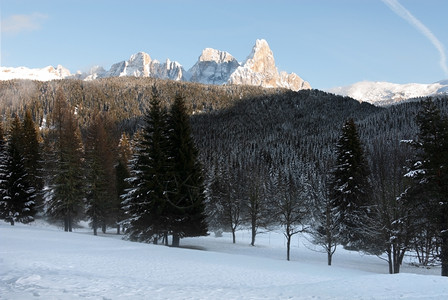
pixel 288 247
pixel 329 257
pixel 444 255
pixel 118 228
pixel 176 240
pixel 254 221
pixel 165 238
pixel 396 258
pixel 94 226
pixel 66 223
pixel 389 260
pixel 103 227
pixel 70 228
pixel 254 231
pixel 233 235
pixel 12 222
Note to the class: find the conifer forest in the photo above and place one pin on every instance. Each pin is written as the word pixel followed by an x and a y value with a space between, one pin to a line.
pixel 160 160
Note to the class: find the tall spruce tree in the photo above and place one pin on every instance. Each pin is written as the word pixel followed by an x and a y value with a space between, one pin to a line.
pixel 100 158
pixel 3 174
pixel 146 202
pixel 186 192
pixel 122 173
pixel 350 191
pixel 32 156
pixel 66 183
pixel 18 195
pixel 429 193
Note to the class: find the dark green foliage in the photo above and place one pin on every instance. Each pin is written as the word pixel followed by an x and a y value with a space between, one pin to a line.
pixel 186 197
pixel 100 157
pixel 65 167
pixel 17 193
pixel 429 194
pixel 350 191
pixel 146 203
pixel 32 156
pixel 122 173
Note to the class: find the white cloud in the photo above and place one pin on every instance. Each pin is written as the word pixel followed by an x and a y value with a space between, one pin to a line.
pixel 400 10
pixel 16 24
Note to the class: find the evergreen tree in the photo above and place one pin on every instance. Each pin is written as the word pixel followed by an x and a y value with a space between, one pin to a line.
pixel 186 193
pixel 429 171
pixel 122 173
pixel 350 191
pixel 32 155
pixel 146 203
pixel 66 190
pixel 100 175
pixel 18 195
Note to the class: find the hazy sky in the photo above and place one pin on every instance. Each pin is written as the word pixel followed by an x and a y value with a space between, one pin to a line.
pixel 326 42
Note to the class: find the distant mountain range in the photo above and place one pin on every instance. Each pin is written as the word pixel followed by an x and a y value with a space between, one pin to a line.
pixel 213 67
pixel 386 93
pixel 220 67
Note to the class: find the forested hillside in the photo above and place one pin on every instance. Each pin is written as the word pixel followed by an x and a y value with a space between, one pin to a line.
pixel 268 155
pixel 124 99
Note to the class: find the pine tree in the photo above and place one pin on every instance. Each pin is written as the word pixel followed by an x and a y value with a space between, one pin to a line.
pixel 66 190
pixel 18 195
pixel 100 158
pixel 350 190
pixel 4 210
pixel 145 203
pixel 186 194
pixel 430 175
pixel 122 173
pixel 32 155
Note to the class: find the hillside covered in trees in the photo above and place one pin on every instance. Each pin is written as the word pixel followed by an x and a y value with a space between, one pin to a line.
pixel 268 155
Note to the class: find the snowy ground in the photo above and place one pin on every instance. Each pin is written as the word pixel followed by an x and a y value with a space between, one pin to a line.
pixel 43 262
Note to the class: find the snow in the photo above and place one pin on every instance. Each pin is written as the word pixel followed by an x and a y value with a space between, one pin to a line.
pixel 43 74
pixel 386 93
pixel 40 261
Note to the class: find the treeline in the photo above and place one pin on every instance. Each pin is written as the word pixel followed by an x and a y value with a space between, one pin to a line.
pixel 268 156
pixel 124 99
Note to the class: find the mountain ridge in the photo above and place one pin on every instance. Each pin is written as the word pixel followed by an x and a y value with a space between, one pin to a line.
pixel 387 93
pixel 212 67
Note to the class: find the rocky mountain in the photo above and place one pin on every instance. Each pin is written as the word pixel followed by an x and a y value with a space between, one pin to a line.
pixel 386 93
pixel 259 69
pixel 213 67
pixel 141 65
pixel 219 67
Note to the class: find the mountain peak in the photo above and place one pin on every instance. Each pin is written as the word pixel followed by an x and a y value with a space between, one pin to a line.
pixel 210 54
pixel 140 58
pixel 259 69
pixel 213 67
pixel 261 59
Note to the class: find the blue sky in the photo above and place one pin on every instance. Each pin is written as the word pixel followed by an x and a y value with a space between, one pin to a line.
pixel 327 42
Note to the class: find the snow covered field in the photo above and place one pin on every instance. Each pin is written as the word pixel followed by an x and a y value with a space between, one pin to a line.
pixel 43 262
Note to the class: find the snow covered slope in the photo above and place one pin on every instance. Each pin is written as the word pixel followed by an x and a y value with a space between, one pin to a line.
pixel 47 263
pixel 385 93
pixel 43 74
